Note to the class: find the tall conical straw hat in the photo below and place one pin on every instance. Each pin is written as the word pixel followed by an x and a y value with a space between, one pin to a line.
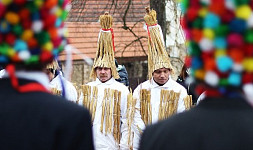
pixel 157 55
pixel 105 51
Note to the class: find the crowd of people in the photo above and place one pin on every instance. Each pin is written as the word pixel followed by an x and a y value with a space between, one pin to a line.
pixel 36 100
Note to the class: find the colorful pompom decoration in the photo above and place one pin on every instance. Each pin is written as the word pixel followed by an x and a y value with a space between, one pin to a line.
pixel 33 33
pixel 220 37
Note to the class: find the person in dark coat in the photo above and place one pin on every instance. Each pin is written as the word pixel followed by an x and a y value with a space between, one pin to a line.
pixel 219 44
pixel 31 118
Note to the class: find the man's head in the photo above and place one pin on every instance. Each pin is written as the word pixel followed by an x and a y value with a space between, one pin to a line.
pixel 161 76
pixel 105 52
pixel 51 69
pixel 103 74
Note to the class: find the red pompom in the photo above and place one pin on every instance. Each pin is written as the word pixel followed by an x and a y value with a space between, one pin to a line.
pixel 227 16
pixel 27 24
pixel 248 49
pixel 49 21
pixel 24 13
pixel 217 7
pixel 188 61
pixel 192 14
pixel 45 56
pixel 247 78
pixel 236 54
pixel 10 38
pixel 20 2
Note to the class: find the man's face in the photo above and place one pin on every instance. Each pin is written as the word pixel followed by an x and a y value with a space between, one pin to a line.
pixel 103 74
pixel 161 76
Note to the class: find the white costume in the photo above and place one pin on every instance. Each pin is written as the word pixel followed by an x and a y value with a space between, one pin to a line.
pixel 155 95
pixel 70 90
pixel 107 142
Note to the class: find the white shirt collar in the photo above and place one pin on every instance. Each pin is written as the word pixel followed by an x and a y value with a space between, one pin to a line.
pixel 37 76
pixel 154 84
pixel 109 82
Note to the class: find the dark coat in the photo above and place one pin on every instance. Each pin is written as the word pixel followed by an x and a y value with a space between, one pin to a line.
pixel 41 121
pixel 215 124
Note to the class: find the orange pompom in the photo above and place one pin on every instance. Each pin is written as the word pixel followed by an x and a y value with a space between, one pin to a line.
pixel 53 33
pixel 50 3
pixel 236 54
pixel 197 34
pixel 209 64
pixel 32 43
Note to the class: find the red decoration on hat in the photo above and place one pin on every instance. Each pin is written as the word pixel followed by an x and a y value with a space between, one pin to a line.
pixel 236 54
pixel 24 13
pixel 46 56
pixel 248 49
pixel 196 34
pixel 192 13
pixel 20 2
pixel 217 7
pixel 10 38
pixel 32 43
pixel 49 21
pixel 247 78
pixel 27 24
pixel 50 3
pixel 15 58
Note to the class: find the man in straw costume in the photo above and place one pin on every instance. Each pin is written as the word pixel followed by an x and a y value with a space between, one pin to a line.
pixel 31 117
pixel 115 125
pixel 160 96
pixel 219 34
pixel 59 85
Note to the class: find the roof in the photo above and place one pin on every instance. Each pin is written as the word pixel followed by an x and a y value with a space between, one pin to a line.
pixel 83 27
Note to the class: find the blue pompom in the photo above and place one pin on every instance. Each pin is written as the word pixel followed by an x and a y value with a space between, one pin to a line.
pixel 58 22
pixel 36 16
pixel 3 59
pixel 211 21
pixel 20 45
pixel 220 43
pixel 196 63
pixel 224 63
pixel 4 27
pixel 238 25
pixel 234 79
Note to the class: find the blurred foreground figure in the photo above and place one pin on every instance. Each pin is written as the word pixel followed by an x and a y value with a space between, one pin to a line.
pixel 220 40
pixel 31 34
pixel 59 85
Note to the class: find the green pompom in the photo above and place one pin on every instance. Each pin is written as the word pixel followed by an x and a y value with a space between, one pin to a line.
pixel 194 49
pixel 43 37
pixel 248 37
pixel 198 23
pixel 64 15
pixel 223 82
pixel 32 60
pixel 242 2
pixel 222 30
pixel 17 30
pixel 4 49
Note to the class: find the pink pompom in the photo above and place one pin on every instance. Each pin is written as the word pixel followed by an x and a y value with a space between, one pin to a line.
pixel 235 40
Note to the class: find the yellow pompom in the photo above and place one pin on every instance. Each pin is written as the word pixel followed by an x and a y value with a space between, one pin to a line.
pixel 203 12
pixel 200 74
pixel 10 52
pixel 248 64
pixel 12 18
pixel 6 2
pixel 220 52
pixel 243 12
pixel 27 35
pixel 208 33
pixel 48 46
pixel 58 12
pixel 38 3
